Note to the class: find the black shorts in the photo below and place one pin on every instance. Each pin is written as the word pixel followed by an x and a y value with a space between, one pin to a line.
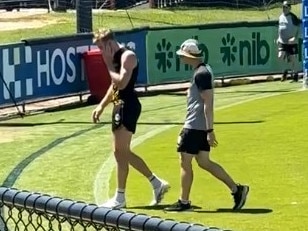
pixel 126 114
pixel 193 141
pixel 290 49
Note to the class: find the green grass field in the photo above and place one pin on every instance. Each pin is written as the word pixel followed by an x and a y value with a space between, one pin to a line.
pixel 261 130
pixel 65 23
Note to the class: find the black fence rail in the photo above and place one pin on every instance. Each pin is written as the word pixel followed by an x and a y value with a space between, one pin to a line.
pixel 235 4
pixel 22 210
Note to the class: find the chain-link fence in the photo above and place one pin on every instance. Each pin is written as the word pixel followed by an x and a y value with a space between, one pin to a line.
pixel 25 211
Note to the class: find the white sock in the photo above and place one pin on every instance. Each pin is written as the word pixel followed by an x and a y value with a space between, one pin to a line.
pixel 120 195
pixel 155 181
pixel 185 202
pixel 234 189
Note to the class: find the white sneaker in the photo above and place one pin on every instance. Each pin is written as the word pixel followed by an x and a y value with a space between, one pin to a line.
pixel 158 193
pixel 113 204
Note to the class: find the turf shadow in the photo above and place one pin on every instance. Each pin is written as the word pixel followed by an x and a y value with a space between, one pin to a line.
pixel 243 211
pixel 181 93
pixel 62 121
pixel 184 93
pixel 164 107
pixel 241 122
pixel 196 209
pixel 157 207
pixel 77 122
pixel 19 168
pixel 253 91
pixel 218 123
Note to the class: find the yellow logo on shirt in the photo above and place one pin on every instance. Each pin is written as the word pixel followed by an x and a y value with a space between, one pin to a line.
pixel 115 95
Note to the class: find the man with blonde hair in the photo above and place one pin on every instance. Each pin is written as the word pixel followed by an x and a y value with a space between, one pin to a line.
pixel 198 136
pixel 122 65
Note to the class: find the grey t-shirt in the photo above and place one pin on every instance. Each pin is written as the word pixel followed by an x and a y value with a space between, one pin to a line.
pixel 202 80
pixel 288 27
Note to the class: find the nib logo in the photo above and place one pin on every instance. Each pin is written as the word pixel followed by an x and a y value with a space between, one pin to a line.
pixel 255 51
pixel 164 55
pixel 229 49
pixel 251 52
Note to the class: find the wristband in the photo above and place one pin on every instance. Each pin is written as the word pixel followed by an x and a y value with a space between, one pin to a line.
pixel 209 130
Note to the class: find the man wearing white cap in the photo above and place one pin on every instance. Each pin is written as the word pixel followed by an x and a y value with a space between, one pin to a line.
pixel 197 135
pixel 287 39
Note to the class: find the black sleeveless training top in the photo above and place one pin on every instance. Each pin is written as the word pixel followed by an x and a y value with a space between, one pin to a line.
pixel 128 93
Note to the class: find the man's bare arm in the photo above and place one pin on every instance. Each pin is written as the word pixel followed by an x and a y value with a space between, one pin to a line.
pixel 208 98
pixel 297 22
pixel 204 83
pixel 107 98
pixel 128 63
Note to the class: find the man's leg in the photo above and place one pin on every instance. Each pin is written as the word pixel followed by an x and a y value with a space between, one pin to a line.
pixel 188 148
pixel 293 51
pixel 294 72
pixel 160 187
pixel 215 169
pixel 121 141
pixel 283 58
pixel 239 192
pixel 139 164
pixel 187 176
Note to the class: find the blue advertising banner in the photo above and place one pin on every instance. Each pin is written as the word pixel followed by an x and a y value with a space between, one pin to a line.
pixel 43 70
pixel 136 40
pixel 54 67
pixel 11 62
pixel 58 68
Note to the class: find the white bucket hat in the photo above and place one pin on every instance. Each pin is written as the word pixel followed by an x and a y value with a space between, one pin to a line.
pixel 286 3
pixel 190 49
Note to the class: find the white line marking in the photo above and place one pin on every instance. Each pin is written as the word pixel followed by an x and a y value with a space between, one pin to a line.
pixel 256 98
pixel 102 179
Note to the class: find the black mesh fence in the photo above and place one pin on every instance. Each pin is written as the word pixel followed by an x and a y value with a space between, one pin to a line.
pixel 25 211
pixel 60 5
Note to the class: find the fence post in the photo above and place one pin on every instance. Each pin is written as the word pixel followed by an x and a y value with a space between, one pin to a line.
pixel 305 43
pixel 84 16
pixel 112 5
pixel 59 5
pixel 152 3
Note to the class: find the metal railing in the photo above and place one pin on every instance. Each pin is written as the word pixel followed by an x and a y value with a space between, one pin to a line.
pixel 22 210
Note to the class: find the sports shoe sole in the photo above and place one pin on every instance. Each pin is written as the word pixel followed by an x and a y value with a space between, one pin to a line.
pixel 120 206
pixel 179 211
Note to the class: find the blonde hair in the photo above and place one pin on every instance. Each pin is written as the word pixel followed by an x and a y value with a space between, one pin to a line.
pixel 103 35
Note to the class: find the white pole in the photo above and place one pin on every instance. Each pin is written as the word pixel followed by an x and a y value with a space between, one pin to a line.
pixel 305 44
pixel 305 80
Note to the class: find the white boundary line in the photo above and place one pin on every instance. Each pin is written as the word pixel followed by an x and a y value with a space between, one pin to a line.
pixel 102 179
